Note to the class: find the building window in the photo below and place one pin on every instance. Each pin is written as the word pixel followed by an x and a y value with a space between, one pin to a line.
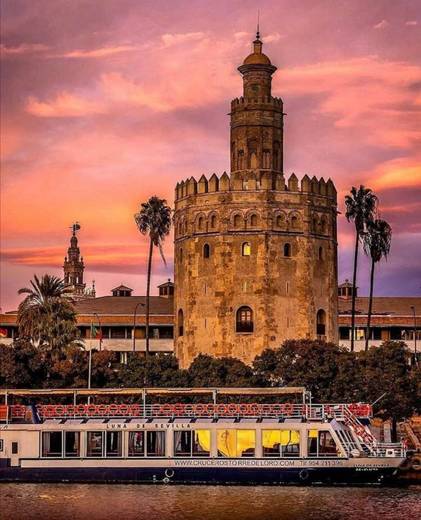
pixel 254 220
pixel 321 322
pixel 180 322
pixel 206 251
pixel 213 221
pixel 280 220
pixel 200 223
pixel 294 222
pixel 266 159
pixel 320 253
pixel 237 221
pixel 287 250
pixel 240 162
pixel 246 249
pixel 244 320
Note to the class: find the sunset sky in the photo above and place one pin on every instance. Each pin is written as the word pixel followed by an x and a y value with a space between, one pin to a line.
pixel 107 102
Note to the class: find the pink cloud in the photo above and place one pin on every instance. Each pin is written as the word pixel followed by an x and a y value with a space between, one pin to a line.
pixel 64 104
pixel 102 52
pixel 23 48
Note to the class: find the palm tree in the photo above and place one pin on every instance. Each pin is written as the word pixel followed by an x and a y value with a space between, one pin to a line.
pixel 45 316
pixel 153 219
pixel 377 243
pixel 360 208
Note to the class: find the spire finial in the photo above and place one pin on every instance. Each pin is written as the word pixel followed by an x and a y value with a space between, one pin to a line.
pixel 258 29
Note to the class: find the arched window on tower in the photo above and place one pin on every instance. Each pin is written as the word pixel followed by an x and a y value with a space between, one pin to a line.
pixel 200 223
pixel 254 220
pixel 244 320
pixel 276 156
pixel 206 251
pixel 237 221
pixel 287 250
pixel 320 253
pixel 246 249
pixel 240 160
pixel 266 159
pixel 213 221
pixel 252 155
pixel 180 322
pixel 321 323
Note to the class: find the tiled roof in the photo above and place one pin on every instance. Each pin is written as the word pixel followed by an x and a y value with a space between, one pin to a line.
pixel 125 305
pixel 383 305
pixel 122 288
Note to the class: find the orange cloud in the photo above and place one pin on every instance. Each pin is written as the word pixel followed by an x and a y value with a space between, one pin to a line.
pixel 63 105
pixel 101 52
pixel 401 172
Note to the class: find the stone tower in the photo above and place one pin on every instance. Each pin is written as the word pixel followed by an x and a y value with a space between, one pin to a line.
pixel 73 269
pixel 255 255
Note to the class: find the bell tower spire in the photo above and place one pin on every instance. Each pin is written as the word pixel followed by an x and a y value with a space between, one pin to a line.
pixel 257 121
pixel 73 267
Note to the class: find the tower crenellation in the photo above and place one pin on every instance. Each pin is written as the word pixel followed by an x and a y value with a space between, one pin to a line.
pixel 255 250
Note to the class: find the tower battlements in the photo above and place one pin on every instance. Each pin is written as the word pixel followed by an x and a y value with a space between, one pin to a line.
pixel 255 180
pixel 259 100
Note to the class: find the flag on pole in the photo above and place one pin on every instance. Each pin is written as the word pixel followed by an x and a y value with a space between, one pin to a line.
pixel 95 332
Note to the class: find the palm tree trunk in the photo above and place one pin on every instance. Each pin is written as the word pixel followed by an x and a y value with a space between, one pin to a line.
pixel 148 290
pixel 370 305
pixel 354 283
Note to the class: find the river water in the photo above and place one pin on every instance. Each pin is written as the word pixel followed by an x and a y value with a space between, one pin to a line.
pixel 127 502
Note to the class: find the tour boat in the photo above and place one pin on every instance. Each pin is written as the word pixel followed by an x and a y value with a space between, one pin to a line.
pixel 208 442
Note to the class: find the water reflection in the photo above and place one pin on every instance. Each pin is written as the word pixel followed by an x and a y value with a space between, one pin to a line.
pixel 126 502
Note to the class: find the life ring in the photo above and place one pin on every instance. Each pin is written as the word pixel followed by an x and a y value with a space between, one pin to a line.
pixel 304 475
pixel 169 473
pixel 166 480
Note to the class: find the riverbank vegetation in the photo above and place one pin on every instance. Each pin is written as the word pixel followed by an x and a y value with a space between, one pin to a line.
pixel 386 374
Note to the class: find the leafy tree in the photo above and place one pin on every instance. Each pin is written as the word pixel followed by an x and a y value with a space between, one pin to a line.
pixel 153 219
pixel 387 371
pixel 45 316
pixel 376 243
pixel 159 370
pixel 323 368
pixel 207 371
pixel 360 209
pixel 21 365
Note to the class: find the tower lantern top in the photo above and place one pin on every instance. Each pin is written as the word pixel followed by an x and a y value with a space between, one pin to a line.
pixel 257 57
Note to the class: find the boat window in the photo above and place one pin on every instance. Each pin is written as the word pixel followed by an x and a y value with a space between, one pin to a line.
pixel 192 443
pixel 71 444
pixel 136 444
pixel 236 443
pixel 95 444
pixel 52 444
pixel 321 444
pixel 155 444
pixel 113 444
pixel 327 445
pixel 281 443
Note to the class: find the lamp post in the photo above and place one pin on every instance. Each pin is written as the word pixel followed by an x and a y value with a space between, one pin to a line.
pixel 134 324
pixel 415 332
pixel 100 330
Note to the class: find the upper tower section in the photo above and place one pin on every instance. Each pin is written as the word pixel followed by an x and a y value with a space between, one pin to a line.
pixel 257 119
pixel 73 269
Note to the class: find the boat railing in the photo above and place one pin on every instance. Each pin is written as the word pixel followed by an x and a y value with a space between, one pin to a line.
pixel 312 412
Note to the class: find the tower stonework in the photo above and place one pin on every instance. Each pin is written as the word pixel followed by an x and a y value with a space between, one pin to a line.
pixel 255 254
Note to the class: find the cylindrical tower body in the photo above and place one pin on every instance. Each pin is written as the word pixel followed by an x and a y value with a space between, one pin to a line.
pixel 255 259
